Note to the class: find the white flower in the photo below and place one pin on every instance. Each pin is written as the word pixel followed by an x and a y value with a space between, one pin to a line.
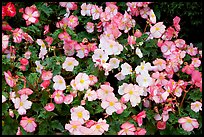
pixel 120 76
pixel 82 81
pixel 114 62
pixel 196 106
pixel 39 67
pixel 70 63
pixel 3 98
pixel 22 104
pixel 143 68
pixel 138 52
pixel 126 69
pixel 59 83
pixel 144 80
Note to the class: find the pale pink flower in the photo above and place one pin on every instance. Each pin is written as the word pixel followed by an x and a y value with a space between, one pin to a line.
pixel 178 91
pixel 3 99
pixel 114 62
pixel 58 96
pixel 196 62
pixel 86 9
pixel 64 36
pixel 91 95
pixel 127 129
pixel 5 41
pixel 111 104
pixel 59 83
pixel 131 41
pixel 49 40
pixel 79 114
pixel 188 124
pixel 132 92
pixel 31 15
pixel 112 10
pixel 11 114
pixel 105 91
pixel 192 50
pixel 24 61
pixel 99 127
pixel 89 27
pixel 140 131
pixel 120 76
pixel 168 47
pixel 17 35
pixel 25 91
pixel 196 106
pixel 12 96
pixel 144 12
pixel 176 21
pixel 27 54
pixel 28 124
pixel 27 37
pixel 70 63
pixel 139 117
pixel 49 107
pixel 9 79
pixel 126 69
pixel 68 99
pixel 85 131
pixel 39 67
pixel 82 81
pixel 157 30
pixel 152 17
pixel 138 33
pixel 96 11
pixel 46 29
pixel 100 56
pixel 160 63
pixel 22 104
pixel 72 21
pixel 73 127
pixel 43 50
pixel 93 80
pixel 104 17
pixel 73 84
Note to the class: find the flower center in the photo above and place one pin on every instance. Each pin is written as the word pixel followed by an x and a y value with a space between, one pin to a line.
pixel 157 28
pixel 131 92
pixel 74 126
pixel 82 81
pixel 69 63
pixel 21 103
pixel 98 126
pixel 111 103
pixel 60 81
pixel 79 114
pixel 189 121
pixel 29 121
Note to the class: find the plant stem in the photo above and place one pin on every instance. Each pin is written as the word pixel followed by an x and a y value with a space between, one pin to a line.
pixel 185 95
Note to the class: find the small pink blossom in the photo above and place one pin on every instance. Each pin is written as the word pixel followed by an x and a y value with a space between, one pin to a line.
pixel 28 124
pixel 176 21
pixel 196 106
pixel 59 83
pixel 89 27
pixel 58 96
pixel 9 79
pixel 22 104
pixel 17 35
pixel 99 127
pixel 49 107
pixel 140 131
pixel 72 21
pixel 11 114
pixel 70 63
pixel 19 131
pixel 5 41
pixel 93 80
pixel 27 54
pixel 139 117
pixel 46 75
pixel 161 125
pixel 157 30
pixel 46 29
pixel 68 99
pixel 73 127
pixel 91 95
pixel 188 124
pixel 127 129
pixel 31 15
pixel 137 33
pixel 196 62
pixel 82 81
pixel 25 91
pixel 79 114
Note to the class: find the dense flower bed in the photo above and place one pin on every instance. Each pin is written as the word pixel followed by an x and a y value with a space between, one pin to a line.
pixel 107 68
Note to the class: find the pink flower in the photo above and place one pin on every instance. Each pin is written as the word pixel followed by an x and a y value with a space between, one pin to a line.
pixel 99 127
pixel 90 123
pixel 46 75
pixel 68 99
pixel 91 95
pixel 192 50
pixel 111 104
pixel 86 9
pixel 70 63
pixel 59 83
pixel 9 79
pixel 22 104
pixel 161 125
pixel 49 40
pixel 73 127
pixel 188 69
pixel 46 29
pixel 140 131
pixel 196 62
pixel 127 129
pixel 11 114
pixel 58 96
pixel 24 61
pixel 89 27
pixel 27 54
pixel 28 124
pixel 49 107
pixel 188 124
pixel 31 15
pixel 64 36
pixel 79 114
pixel 131 41
pixel 72 21
pixel 17 35
pixel 82 81
pixel 25 91
pixel 23 68
pixel 105 91
pixel 126 69
pixel 176 21
pixel 95 12
pixel 93 80
pixel 144 12
pixel 139 117
pixel 196 76
pixel 196 106
pixel 152 17
pixel 111 9
pixel 19 131
pixel 160 63
pixel 157 30
pixel 3 99
pixel 168 47
pixel 137 33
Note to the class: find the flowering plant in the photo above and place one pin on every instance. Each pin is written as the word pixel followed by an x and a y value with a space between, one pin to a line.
pixel 90 68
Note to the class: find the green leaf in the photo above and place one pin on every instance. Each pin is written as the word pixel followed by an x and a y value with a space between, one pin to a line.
pixel 5 107
pixel 46 9
pixel 36 107
pixel 46 114
pixel 57 125
pixel 33 78
pixel 44 98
